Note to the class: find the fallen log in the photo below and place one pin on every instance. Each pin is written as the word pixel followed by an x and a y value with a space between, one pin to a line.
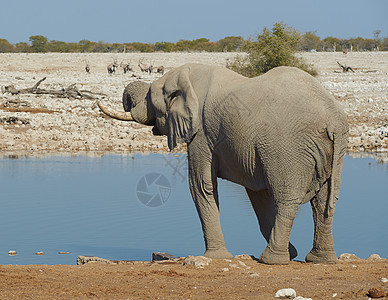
pixel 71 92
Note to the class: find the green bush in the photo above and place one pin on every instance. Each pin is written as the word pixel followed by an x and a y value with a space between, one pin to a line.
pixel 271 48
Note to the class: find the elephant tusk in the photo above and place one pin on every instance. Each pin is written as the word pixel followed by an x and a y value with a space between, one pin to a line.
pixel 119 115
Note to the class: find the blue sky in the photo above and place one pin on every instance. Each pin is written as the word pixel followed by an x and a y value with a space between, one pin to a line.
pixel 171 20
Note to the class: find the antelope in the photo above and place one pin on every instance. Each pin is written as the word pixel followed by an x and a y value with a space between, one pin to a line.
pixel 112 67
pixel 87 68
pixel 126 67
pixel 143 67
pixel 160 69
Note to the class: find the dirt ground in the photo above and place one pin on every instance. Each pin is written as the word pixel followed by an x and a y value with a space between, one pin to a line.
pixel 221 279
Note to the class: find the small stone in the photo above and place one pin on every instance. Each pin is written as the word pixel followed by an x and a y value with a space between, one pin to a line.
pixel 12 252
pixel 63 252
pixel 285 294
pixel 197 261
pixel 241 263
pixel 348 257
pixel 81 260
pixel 385 280
pixel 244 256
pixel 302 298
pixel 334 295
pixel 39 253
pixel 157 256
pixel 374 257
pixel 225 269
pixel 376 293
pixel 254 275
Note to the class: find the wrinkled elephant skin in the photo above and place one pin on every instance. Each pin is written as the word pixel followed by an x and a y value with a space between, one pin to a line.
pixel 281 135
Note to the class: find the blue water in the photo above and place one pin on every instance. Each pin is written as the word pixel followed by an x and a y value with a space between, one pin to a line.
pixel 108 207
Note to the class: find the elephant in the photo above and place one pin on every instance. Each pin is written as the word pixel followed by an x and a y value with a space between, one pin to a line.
pixel 280 135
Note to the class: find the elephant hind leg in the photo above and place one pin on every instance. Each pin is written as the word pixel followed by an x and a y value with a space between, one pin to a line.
pixel 323 245
pixel 264 207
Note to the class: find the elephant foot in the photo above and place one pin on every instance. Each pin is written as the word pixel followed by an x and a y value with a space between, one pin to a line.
pixel 270 257
pixel 318 257
pixel 218 253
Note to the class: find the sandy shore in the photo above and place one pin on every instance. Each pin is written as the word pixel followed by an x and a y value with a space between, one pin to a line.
pixel 240 278
pixel 35 124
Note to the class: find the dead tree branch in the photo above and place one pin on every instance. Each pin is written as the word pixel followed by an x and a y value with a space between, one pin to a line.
pixel 71 92
pixel 345 68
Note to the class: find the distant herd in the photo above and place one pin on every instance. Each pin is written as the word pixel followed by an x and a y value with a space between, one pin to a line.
pixel 127 67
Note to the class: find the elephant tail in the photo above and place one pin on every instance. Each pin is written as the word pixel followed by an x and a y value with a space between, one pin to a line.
pixel 335 177
pixel 330 206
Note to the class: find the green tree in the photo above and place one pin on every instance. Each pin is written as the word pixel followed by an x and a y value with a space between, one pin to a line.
pixel 6 46
pixel 164 46
pixel 22 48
pixel 101 46
pixel 183 45
pixel 271 48
pixel 38 43
pixel 309 41
pixel 384 44
pixel 58 46
pixel 230 43
pixel 331 43
pixel 86 45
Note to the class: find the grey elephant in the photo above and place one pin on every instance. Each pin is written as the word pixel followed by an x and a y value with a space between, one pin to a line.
pixel 281 135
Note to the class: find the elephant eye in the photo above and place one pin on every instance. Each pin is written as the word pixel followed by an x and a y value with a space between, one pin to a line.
pixel 174 95
pixel 171 99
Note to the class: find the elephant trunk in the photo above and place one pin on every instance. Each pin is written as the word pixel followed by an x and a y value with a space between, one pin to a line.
pixel 136 103
pixel 123 116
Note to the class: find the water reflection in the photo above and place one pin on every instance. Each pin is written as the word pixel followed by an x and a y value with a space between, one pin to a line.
pixel 90 206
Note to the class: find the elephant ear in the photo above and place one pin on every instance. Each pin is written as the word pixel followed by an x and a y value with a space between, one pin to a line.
pixel 183 111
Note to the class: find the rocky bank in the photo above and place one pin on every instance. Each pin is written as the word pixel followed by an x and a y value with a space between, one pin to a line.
pixel 32 124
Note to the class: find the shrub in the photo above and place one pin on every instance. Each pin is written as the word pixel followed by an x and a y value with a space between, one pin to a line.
pixel 272 48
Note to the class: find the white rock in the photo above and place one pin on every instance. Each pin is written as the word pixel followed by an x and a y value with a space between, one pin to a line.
pixel 302 298
pixel 374 257
pixel 285 294
pixel 225 269
pixel 197 261
pixel 243 256
pixel 384 279
pixel 348 257
pixel 242 264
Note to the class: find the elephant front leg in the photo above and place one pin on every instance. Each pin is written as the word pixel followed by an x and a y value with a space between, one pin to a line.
pixel 203 188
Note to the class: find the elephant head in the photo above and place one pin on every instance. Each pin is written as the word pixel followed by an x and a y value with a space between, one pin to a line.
pixel 170 104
